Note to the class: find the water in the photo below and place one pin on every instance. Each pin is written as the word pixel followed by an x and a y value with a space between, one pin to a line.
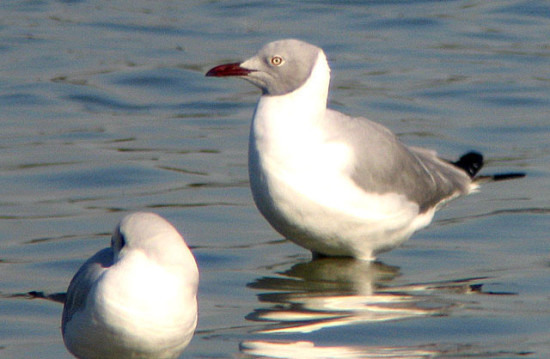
pixel 105 110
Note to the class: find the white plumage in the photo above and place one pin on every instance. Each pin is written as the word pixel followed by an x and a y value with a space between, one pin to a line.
pixel 136 299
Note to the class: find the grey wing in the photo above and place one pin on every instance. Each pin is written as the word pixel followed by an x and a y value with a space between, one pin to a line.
pixel 447 180
pixel 82 283
pixel 383 164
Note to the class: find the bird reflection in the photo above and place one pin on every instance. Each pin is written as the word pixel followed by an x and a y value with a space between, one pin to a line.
pixel 307 349
pixel 333 292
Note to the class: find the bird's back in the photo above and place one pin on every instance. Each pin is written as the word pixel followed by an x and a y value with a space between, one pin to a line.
pixel 383 164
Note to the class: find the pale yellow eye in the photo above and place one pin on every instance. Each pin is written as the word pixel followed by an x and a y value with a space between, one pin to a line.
pixel 277 61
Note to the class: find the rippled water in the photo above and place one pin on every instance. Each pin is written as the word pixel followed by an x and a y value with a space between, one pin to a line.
pixel 105 110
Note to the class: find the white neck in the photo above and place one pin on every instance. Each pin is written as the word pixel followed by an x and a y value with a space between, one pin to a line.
pixel 284 124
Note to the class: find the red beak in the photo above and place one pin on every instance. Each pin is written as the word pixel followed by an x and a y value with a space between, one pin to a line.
pixel 234 69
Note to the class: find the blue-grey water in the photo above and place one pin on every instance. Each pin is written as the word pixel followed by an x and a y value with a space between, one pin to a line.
pixel 105 110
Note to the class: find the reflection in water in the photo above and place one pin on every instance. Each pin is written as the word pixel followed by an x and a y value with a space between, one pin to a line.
pixel 308 350
pixel 334 292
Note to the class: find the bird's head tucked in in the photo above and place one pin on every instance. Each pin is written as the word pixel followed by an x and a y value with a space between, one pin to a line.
pixel 150 234
pixel 280 67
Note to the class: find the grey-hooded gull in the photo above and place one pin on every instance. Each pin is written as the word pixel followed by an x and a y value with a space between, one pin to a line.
pixel 135 299
pixel 334 184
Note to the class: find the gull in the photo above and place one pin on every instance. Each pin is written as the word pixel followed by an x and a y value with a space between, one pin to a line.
pixel 135 299
pixel 335 184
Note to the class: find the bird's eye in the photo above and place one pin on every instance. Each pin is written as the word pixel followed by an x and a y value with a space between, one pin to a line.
pixel 276 61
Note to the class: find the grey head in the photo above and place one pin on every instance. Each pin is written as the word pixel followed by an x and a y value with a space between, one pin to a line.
pixel 280 67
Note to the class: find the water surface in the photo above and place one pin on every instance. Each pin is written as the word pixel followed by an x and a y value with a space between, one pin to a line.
pixel 106 110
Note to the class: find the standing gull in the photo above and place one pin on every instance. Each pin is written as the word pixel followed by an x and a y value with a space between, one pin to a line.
pixel 334 184
pixel 136 299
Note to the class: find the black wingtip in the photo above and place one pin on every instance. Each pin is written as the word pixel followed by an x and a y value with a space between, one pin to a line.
pixel 34 294
pixel 470 162
pixel 507 176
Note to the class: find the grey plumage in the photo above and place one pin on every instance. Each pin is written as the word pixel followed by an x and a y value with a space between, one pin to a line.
pixel 385 165
pixel 82 283
pixel 279 79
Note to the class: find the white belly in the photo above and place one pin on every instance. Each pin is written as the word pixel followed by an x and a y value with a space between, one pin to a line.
pixel 308 196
